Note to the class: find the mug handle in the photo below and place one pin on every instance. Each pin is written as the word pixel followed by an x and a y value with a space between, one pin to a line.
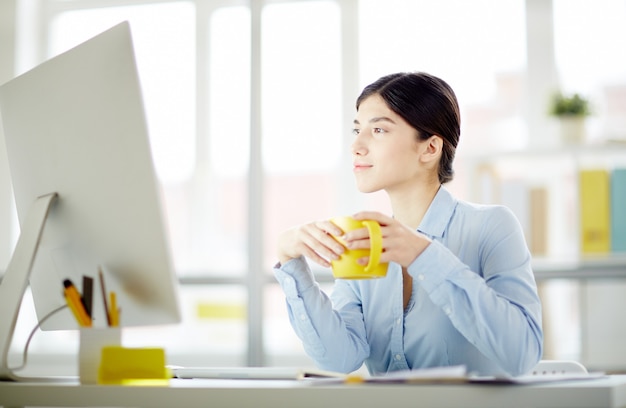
pixel 376 244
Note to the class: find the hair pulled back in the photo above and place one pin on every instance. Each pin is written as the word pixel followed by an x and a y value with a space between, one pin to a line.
pixel 428 104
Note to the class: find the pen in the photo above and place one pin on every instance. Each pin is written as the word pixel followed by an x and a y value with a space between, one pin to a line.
pixel 104 296
pixel 87 297
pixel 72 297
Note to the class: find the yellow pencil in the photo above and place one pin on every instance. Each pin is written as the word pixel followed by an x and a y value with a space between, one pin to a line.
pixel 72 298
pixel 113 311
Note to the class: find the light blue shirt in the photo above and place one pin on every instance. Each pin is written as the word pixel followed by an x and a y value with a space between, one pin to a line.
pixel 474 301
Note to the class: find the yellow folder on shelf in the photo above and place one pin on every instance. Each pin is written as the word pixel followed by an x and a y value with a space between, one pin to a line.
pixel 595 210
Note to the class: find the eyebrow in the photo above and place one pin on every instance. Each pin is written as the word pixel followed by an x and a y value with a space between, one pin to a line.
pixel 377 119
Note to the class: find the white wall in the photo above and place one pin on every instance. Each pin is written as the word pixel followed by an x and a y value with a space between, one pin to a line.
pixel 603 325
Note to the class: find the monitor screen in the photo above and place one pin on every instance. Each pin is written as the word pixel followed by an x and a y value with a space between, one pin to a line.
pixel 75 126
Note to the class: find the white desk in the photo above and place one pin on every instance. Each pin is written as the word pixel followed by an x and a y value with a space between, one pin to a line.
pixel 605 392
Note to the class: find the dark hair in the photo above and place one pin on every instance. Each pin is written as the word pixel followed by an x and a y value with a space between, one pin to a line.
pixel 428 104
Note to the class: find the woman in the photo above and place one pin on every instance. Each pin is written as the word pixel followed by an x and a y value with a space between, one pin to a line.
pixel 459 289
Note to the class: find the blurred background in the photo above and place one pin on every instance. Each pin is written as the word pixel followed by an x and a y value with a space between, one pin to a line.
pixel 250 107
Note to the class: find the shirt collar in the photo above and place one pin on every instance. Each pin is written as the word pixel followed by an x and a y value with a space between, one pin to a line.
pixel 439 213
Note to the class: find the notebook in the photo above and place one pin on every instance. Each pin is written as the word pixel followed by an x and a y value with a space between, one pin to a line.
pixel 252 373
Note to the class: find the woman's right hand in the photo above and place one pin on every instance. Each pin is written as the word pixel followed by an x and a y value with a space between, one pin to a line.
pixel 313 240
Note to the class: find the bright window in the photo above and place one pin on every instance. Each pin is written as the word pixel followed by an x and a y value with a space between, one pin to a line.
pixel 588 39
pixel 164 37
pixel 478 47
pixel 303 131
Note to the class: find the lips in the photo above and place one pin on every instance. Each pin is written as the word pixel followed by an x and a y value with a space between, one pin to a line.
pixel 361 166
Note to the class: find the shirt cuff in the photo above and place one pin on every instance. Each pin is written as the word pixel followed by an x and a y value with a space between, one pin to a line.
pixel 295 276
pixel 433 266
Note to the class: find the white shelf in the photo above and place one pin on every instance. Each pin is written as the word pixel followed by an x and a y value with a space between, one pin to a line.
pixel 571 150
pixel 596 267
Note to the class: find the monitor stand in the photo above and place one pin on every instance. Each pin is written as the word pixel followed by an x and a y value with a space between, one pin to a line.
pixel 16 277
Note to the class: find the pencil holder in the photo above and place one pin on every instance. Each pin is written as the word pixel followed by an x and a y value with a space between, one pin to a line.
pixel 92 340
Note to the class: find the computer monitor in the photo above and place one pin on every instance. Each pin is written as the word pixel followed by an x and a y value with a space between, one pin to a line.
pixel 75 126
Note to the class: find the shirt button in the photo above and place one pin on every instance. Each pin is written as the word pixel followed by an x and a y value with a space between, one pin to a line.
pixel 447 310
pixel 421 277
pixel 290 285
pixel 398 357
pixel 302 316
pixel 399 321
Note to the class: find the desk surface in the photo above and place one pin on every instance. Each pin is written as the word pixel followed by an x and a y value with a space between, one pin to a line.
pixel 603 392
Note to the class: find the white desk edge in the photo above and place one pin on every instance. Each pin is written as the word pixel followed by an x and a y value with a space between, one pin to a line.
pixel 602 392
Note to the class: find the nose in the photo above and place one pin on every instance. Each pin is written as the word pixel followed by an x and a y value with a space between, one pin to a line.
pixel 358 146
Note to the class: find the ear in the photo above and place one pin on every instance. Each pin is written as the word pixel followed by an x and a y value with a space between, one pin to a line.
pixel 433 147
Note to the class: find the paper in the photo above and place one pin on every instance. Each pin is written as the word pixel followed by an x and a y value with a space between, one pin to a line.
pixel 434 374
pixel 458 375
pixel 533 379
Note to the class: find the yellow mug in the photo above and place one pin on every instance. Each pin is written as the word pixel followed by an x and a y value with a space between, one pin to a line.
pixel 346 267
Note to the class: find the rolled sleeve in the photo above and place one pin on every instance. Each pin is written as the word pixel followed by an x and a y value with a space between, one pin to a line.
pixel 295 278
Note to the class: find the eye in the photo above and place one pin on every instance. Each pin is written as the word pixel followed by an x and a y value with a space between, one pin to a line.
pixel 379 131
pixel 356 131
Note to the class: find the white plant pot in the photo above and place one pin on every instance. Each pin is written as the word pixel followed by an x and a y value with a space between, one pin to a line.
pixel 572 129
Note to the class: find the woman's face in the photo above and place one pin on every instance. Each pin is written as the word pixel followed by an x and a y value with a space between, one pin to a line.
pixel 385 150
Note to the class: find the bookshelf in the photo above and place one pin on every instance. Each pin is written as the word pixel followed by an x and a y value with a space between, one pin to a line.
pixel 514 178
pixel 577 288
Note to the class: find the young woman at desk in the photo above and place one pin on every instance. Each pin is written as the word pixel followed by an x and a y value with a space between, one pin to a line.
pixel 459 289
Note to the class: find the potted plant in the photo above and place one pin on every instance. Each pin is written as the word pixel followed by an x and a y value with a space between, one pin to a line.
pixel 571 111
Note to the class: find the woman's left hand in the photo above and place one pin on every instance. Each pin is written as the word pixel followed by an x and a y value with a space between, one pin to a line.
pixel 401 244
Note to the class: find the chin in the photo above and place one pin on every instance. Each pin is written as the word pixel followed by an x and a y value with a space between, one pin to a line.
pixel 367 184
pixel 366 189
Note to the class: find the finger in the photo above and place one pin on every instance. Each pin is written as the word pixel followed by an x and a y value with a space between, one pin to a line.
pixel 362 234
pixel 363 261
pixel 322 244
pixel 315 257
pixel 360 243
pixel 329 228
pixel 373 215
pixel 357 234
pixel 309 247
pixel 325 233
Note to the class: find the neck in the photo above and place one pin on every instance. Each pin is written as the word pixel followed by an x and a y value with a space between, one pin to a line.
pixel 410 206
